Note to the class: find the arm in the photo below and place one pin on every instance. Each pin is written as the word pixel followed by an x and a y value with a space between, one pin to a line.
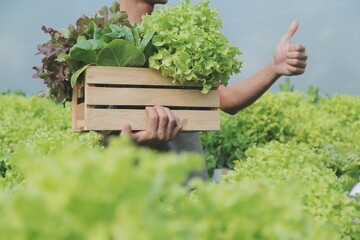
pixel 289 59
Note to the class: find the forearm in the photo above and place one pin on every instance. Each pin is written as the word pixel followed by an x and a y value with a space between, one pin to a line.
pixel 236 97
pixel 289 60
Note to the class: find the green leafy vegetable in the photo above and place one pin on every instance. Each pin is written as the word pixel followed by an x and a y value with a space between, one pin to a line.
pixel 145 42
pixel 76 74
pixel 87 51
pixel 93 31
pixel 330 127
pixel 57 67
pixel 189 46
pixel 56 184
pixel 183 42
pixel 322 193
pixel 120 53
pixel 114 45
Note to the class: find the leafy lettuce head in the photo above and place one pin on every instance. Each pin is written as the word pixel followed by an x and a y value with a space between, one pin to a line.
pixel 189 46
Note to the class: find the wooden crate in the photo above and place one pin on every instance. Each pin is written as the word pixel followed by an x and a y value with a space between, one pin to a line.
pixel 130 90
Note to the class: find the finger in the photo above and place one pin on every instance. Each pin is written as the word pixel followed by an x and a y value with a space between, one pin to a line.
pixel 296 63
pixel 153 122
pixel 163 122
pixel 171 123
pixel 140 137
pixel 296 48
pixel 126 130
pixel 291 31
pixel 297 55
pixel 177 128
pixel 295 70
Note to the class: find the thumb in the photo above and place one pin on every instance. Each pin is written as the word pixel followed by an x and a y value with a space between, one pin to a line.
pixel 290 32
pixel 126 130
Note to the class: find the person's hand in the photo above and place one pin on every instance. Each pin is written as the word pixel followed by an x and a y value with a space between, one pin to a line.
pixel 289 59
pixel 162 126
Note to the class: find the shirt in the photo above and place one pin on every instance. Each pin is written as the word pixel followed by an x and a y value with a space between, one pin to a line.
pixel 187 142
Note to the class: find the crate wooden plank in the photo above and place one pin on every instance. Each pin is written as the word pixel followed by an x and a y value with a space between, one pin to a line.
pixel 113 119
pixel 78 109
pixel 129 76
pixel 151 97
pixel 78 117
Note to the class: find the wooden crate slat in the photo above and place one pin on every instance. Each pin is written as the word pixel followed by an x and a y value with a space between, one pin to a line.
pixel 151 97
pixel 113 119
pixel 129 76
pixel 78 108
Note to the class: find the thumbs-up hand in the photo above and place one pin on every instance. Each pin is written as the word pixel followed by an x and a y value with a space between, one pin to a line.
pixel 289 59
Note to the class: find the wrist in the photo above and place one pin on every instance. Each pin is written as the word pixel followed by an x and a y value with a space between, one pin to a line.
pixel 274 70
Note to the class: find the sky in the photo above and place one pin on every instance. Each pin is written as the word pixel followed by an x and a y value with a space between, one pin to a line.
pixel 329 29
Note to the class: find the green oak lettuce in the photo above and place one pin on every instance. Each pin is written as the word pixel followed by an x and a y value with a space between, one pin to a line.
pixel 189 46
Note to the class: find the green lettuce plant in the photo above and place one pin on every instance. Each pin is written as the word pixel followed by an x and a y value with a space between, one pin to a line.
pixel 57 66
pixel 189 46
pixel 322 192
pixel 114 45
pixel 329 126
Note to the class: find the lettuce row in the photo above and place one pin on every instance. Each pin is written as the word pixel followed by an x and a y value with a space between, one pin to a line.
pixel 331 127
pixel 64 185
pixel 322 193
